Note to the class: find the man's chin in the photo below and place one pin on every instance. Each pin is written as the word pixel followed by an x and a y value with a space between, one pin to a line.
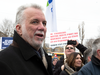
pixel 69 53
pixel 39 43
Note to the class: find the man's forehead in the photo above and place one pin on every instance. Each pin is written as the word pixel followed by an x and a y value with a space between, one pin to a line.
pixel 69 46
pixel 35 15
pixel 33 11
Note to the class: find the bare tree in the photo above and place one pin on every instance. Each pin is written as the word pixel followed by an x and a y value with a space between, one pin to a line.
pixel 89 42
pixel 2 34
pixel 7 27
pixel 81 32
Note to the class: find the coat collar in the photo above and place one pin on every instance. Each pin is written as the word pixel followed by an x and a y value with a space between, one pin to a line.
pixel 95 60
pixel 26 49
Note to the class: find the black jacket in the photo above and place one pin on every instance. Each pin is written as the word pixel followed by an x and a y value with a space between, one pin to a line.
pixel 57 71
pixel 20 58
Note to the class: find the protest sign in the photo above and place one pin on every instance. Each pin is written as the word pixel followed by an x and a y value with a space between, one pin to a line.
pixel 5 42
pixel 61 38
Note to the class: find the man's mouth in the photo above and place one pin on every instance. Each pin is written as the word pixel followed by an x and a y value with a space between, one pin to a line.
pixel 69 51
pixel 40 35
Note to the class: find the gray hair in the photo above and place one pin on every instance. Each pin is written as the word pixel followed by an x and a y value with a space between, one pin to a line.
pixel 20 14
pixel 87 53
pixel 96 46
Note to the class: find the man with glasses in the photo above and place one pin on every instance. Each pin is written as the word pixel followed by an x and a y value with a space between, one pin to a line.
pixel 69 48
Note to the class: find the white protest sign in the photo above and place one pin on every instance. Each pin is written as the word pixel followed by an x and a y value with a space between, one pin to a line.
pixel 61 38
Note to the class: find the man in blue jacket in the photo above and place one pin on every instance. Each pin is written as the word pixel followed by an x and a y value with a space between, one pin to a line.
pixel 25 56
pixel 92 67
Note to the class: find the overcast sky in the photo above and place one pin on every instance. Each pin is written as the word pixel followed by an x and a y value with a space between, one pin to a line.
pixel 70 13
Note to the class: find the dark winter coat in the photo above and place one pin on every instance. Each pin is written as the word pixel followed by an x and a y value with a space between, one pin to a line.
pixel 21 59
pixel 57 71
pixel 91 68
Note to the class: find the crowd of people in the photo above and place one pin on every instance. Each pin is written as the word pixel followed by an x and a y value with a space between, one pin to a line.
pixel 85 62
pixel 69 48
pixel 25 56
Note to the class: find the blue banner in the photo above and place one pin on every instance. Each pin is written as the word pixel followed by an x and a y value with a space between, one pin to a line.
pixel 6 41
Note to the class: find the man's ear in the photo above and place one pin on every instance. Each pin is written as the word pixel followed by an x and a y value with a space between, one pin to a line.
pixel 89 58
pixel 19 29
pixel 98 52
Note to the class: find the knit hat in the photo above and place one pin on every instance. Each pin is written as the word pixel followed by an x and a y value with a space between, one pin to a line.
pixel 54 58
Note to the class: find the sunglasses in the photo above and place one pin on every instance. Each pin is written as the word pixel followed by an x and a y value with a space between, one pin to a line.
pixel 69 47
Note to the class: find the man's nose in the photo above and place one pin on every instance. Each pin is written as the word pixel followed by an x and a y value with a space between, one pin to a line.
pixel 41 26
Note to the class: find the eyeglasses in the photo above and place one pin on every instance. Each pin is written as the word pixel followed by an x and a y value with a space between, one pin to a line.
pixel 69 47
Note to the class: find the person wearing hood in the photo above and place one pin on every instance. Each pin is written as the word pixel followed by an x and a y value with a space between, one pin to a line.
pixel 54 61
